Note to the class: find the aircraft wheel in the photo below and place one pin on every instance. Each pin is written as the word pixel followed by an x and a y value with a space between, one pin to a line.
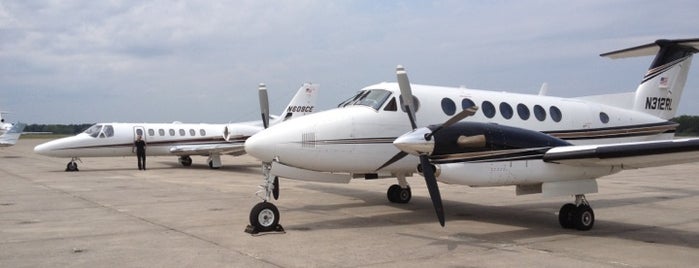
pixel 186 161
pixel 264 216
pixel 565 216
pixel 72 166
pixel 392 193
pixel 397 194
pixel 211 165
pixel 584 218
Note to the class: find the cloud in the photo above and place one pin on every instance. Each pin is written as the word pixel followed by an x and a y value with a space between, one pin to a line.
pixel 200 61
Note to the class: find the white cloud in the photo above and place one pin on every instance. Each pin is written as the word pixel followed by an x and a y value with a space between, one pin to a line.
pixel 201 60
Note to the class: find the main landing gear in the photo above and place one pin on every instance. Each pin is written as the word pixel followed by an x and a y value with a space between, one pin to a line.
pixel 579 215
pixel 185 160
pixel 72 166
pixel 264 217
pixel 399 193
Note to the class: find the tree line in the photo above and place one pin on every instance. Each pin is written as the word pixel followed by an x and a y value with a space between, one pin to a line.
pixel 689 126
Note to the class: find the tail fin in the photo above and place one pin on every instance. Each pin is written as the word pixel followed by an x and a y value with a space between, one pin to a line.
pixel 12 135
pixel 661 89
pixel 302 104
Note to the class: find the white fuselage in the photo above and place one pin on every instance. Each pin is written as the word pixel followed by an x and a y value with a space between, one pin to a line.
pixel 357 138
pixel 117 139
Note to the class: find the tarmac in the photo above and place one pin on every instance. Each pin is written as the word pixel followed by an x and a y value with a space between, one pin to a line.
pixel 110 214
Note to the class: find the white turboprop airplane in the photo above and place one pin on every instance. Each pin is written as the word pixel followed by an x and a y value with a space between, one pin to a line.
pixel 540 144
pixel 174 139
pixel 11 136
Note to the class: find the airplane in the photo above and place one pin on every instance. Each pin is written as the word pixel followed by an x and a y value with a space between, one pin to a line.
pixel 4 127
pixel 540 144
pixel 11 136
pixel 174 139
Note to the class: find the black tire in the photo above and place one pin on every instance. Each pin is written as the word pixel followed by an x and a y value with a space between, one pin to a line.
pixel 404 195
pixel 584 218
pixel 72 166
pixel 566 214
pixel 264 217
pixel 186 161
pixel 393 193
pixel 275 191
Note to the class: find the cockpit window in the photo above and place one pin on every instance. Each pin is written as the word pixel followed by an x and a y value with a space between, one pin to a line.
pixel 93 131
pixel 100 131
pixel 373 98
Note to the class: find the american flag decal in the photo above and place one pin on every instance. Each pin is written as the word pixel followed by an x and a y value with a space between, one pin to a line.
pixel 663 82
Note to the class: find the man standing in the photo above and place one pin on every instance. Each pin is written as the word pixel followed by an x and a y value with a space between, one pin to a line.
pixel 140 146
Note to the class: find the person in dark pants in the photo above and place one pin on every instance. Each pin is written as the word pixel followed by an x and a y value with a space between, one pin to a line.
pixel 140 146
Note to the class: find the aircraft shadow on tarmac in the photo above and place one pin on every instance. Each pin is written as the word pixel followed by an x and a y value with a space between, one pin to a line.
pixel 534 220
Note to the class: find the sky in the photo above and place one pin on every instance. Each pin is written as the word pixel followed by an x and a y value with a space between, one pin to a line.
pixel 71 62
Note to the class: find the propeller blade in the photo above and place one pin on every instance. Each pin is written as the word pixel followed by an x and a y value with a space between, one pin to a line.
pixel 393 159
pixel 226 134
pixel 264 104
pixel 456 118
pixel 406 94
pixel 432 187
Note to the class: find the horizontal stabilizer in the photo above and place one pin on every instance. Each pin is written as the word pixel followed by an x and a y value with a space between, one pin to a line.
pixel 650 49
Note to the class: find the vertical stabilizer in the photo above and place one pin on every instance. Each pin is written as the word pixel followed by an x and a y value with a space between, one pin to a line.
pixel 661 88
pixel 303 102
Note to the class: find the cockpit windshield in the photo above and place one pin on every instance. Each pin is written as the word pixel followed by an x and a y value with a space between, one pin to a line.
pixel 373 98
pixel 100 131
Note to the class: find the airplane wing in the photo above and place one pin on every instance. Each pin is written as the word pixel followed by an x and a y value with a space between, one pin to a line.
pixel 234 148
pixel 12 135
pixel 627 155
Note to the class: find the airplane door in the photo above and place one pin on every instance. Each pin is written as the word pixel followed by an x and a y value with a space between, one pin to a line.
pixel 139 131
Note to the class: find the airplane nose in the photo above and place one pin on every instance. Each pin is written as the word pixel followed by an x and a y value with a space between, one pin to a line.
pixel 414 142
pixel 260 147
pixel 42 149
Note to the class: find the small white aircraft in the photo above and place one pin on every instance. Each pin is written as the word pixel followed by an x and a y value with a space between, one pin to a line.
pixel 4 127
pixel 174 139
pixel 11 136
pixel 538 143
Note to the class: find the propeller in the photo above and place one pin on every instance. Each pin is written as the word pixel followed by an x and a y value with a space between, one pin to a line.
pixel 264 104
pixel 419 142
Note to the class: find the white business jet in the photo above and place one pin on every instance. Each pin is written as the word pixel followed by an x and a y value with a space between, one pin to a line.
pixel 538 143
pixel 174 139
pixel 4 127
pixel 11 135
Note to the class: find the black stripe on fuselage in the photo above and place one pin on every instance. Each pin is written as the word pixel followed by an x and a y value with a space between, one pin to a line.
pixel 203 141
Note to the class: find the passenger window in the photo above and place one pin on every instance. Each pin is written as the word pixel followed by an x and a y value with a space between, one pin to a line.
pixel 523 111
pixel 391 106
pixel 467 103
pixel 202 132
pixel 488 109
pixel 161 132
pixel 151 132
pixel 506 110
pixel 182 132
pixel 172 132
pixel 555 114
pixel 448 106
pixel 603 117
pixel 192 132
pixel 539 112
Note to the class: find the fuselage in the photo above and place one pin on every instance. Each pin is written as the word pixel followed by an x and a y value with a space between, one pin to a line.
pixel 117 139
pixel 357 136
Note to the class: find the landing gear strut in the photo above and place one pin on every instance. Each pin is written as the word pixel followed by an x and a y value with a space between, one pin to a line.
pixel 264 217
pixel 579 215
